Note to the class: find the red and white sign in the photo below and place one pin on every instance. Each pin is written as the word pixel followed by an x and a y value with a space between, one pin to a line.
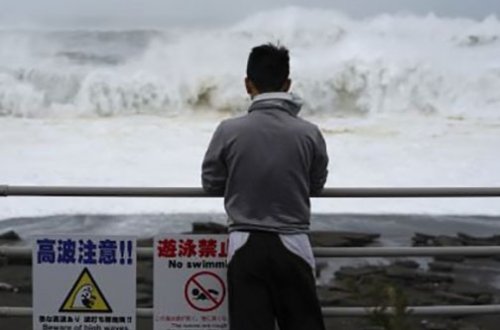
pixel 190 290
pixel 205 291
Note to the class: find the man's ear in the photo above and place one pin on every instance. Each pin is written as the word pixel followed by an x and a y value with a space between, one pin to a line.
pixel 250 87
pixel 287 85
pixel 247 85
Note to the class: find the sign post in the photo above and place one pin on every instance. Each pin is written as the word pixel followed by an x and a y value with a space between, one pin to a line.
pixel 190 290
pixel 84 283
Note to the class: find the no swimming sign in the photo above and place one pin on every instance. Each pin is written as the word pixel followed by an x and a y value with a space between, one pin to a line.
pixel 190 289
pixel 84 283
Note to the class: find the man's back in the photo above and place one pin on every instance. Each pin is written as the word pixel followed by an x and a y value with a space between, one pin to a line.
pixel 273 162
pixel 267 164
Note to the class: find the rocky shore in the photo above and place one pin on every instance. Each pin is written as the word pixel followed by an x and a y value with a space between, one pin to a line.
pixel 391 283
pixel 423 282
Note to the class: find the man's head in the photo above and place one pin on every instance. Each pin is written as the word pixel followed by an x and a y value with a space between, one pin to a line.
pixel 268 69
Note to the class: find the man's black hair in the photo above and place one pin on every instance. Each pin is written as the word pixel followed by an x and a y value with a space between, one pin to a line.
pixel 268 67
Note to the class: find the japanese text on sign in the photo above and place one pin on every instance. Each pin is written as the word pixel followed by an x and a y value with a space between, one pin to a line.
pixel 84 251
pixel 191 248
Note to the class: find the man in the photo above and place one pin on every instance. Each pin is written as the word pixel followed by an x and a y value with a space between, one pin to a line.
pixel 266 164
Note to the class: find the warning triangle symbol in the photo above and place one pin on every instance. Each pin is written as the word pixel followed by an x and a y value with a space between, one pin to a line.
pixel 85 297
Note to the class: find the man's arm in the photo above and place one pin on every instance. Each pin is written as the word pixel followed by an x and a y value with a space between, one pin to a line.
pixel 319 166
pixel 214 170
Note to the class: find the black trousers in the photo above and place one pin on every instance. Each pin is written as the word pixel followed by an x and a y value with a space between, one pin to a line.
pixel 267 283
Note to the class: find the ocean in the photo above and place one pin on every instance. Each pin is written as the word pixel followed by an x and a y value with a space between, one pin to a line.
pixel 402 101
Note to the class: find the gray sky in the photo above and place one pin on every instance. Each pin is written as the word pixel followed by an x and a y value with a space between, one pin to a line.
pixel 137 13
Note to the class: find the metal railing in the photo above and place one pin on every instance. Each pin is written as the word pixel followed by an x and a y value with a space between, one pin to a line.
pixel 69 191
pixel 147 253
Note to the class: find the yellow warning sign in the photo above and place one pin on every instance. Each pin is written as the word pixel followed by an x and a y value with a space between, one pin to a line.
pixel 85 297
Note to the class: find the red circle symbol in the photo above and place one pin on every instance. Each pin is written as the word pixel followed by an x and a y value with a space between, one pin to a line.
pixel 205 291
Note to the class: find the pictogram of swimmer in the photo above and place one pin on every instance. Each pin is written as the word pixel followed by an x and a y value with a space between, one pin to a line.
pixel 84 297
pixel 198 295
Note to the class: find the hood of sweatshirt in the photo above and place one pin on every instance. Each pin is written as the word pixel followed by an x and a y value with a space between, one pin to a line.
pixel 288 102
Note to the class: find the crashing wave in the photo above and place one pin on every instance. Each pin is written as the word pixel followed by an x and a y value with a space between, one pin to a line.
pixel 340 66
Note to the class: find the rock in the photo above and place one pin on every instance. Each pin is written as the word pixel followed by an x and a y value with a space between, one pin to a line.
pixel 455 298
pixel 340 286
pixel 412 264
pixel 25 287
pixel 420 239
pixel 441 266
pixel 208 228
pixel 416 275
pixel 484 299
pixel 435 325
pixel 450 258
pixel 10 235
pixel 443 240
pixel 476 242
pixel 479 241
pixel 332 298
pixel 4 261
pixel 434 277
pixel 6 287
pixel 357 272
pixel 338 238
pixel 432 286
pixel 401 273
pixel 462 239
pixel 330 242
pixel 463 325
pixel 469 288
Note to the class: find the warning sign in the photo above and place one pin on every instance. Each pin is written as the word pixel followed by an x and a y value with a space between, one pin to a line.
pixel 82 282
pixel 190 282
pixel 85 296
pixel 205 291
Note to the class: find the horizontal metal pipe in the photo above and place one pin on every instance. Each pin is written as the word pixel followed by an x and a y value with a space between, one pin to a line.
pixel 28 312
pixel 406 251
pixel 147 252
pixel 67 191
pixel 15 311
pixel 416 311
pixel 15 252
pixel 327 311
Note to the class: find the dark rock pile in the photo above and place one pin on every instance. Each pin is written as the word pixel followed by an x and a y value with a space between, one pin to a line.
pixel 357 286
pixel 461 239
pixel 422 283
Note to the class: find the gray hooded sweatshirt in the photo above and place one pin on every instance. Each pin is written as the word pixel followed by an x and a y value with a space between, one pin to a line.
pixel 266 164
